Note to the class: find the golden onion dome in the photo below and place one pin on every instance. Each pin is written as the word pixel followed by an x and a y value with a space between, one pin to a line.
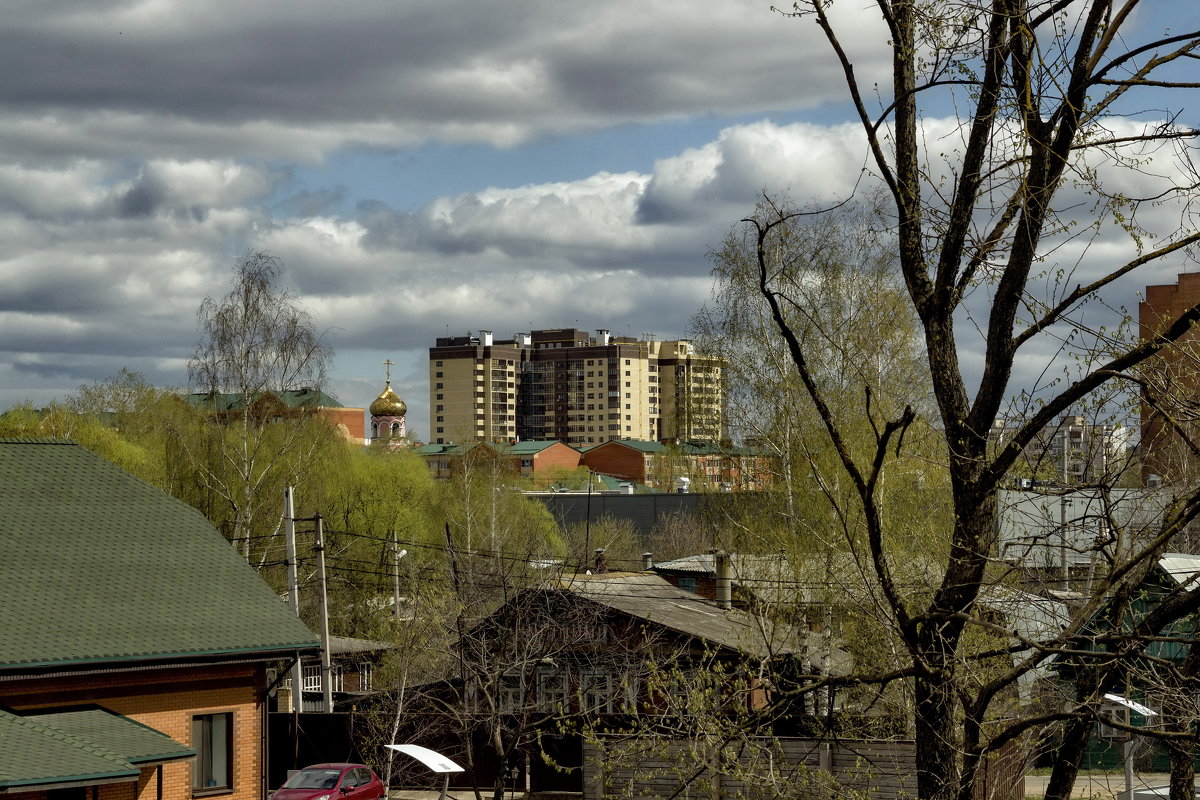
pixel 388 404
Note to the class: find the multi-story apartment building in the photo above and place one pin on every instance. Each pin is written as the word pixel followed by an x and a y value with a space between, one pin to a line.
pixel 1075 450
pixel 565 384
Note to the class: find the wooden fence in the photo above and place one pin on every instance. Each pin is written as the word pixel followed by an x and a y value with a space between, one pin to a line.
pixel 618 768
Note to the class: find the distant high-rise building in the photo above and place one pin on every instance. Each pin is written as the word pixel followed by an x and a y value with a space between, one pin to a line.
pixel 565 384
pixel 1072 451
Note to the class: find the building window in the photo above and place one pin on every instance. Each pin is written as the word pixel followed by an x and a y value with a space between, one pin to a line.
pixel 438 375
pixel 551 691
pixel 437 363
pixel 439 430
pixel 595 690
pixel 212 739
pixel 512 694
pixel 439 397
pixel 687 584
pixel 441 419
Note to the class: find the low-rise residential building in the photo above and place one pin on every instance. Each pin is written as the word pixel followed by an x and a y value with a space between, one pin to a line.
pixel 136 642
pixel 682 467
pixel 524 459
pixel 351 422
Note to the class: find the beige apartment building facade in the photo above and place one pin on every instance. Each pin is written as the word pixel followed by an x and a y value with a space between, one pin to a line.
pixel 566 384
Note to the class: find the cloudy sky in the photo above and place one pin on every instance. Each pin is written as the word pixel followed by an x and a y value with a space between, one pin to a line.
pixel 422 168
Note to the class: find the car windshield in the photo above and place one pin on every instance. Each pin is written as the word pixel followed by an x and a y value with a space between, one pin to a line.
pixel 313 779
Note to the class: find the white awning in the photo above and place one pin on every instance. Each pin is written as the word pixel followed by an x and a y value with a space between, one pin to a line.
pixel 1138 707
pixel 430 758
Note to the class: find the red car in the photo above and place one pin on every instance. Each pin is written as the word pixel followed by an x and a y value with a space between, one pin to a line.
pixel 332 782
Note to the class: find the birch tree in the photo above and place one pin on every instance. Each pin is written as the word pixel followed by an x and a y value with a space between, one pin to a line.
pixel 254 342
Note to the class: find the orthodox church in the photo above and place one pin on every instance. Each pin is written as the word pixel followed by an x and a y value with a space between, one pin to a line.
pixel 387 414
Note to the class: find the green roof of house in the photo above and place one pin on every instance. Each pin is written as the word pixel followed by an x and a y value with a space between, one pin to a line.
pixel 293 398
pixel 35 754
pixel 135 742
pixel 531 446
pixel 100 568
pixel 635 444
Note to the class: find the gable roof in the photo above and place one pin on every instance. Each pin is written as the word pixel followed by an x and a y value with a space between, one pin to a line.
pixel 291 398
pixel 100 568
pixel 633 444
pixel 91 745
pixel 532 446
pixel 649 597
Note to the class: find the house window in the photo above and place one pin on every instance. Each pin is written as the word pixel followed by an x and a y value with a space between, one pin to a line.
pixel 595 690
pixel 512 695
pixel 212 739
pixel 687 584
pixel 551 690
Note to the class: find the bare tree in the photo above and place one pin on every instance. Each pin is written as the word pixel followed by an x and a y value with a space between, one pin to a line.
pixel 255 343
pixel 1039 164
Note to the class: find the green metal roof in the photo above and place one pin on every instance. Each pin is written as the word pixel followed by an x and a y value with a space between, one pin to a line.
pixel 530 446
pixel 635 444
pixel 99 567
pixel 292 398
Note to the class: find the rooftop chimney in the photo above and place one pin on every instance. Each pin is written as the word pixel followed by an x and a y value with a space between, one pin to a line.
pixel 486 336
pixel 601 561
pixel 647 560
pixel 602 336
pixel 724 583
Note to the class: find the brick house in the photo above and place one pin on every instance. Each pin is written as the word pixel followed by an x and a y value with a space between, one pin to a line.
pixel 706 467
pixel 349 421
pixel 133 665
pixel 526 459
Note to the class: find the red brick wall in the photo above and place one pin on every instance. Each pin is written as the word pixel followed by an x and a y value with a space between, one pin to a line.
pixel 617 460
pixel 1162 453
pixel 165 700
pixel 353 418
pixel 556 455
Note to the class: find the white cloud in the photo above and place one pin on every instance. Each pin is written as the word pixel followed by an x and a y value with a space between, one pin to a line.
pixel 298 80
pixel 100 280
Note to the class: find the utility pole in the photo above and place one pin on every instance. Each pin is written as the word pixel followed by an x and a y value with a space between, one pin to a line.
pixel 289 530
pixel 397 554
pixel 326 669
